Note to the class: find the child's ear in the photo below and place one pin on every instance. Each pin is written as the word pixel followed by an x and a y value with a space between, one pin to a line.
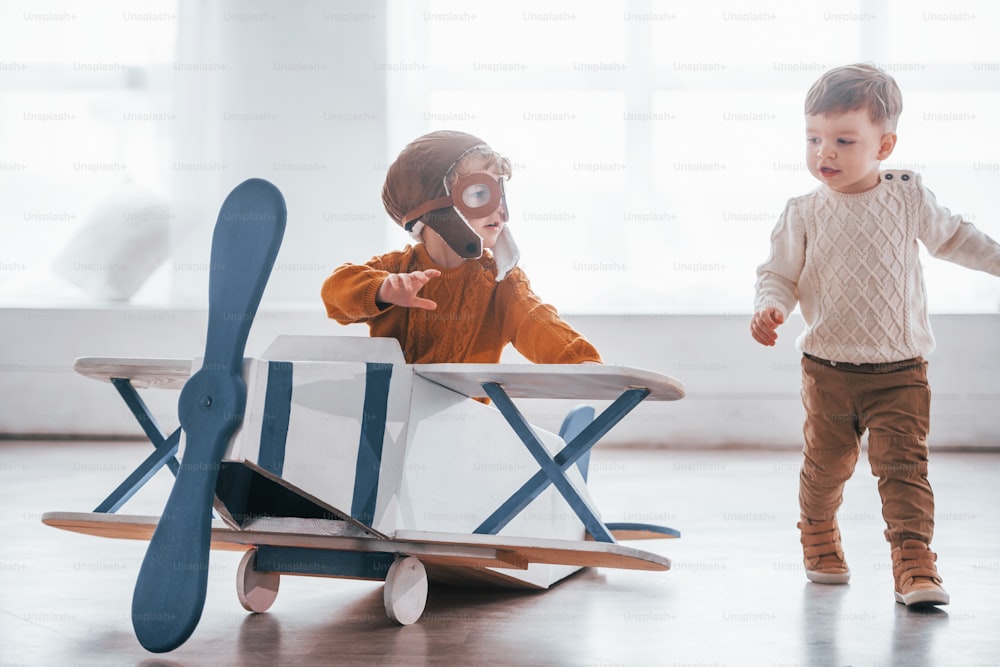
pixel 887 145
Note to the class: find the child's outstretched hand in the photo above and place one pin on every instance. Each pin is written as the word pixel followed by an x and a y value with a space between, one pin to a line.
pixel 401 289
pixel 763 325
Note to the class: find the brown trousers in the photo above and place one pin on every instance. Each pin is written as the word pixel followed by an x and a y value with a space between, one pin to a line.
pixel 891 402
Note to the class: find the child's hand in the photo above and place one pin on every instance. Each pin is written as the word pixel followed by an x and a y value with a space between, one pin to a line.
pixel 764 323
pixel 401 289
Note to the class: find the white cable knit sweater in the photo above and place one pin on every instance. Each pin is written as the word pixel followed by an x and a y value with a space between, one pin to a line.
pixel 852 263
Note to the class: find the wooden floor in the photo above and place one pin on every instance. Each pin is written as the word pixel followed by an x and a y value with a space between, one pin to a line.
pixel 736 594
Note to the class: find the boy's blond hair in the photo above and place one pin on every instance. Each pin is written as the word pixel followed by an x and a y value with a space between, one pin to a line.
pixel 852 87
pixel 480 158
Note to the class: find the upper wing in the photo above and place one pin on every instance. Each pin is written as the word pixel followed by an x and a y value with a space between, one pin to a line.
pixel 162 373
pixel 578 381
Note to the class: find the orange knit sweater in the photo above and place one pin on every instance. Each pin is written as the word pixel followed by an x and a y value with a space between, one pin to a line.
pixel 475 318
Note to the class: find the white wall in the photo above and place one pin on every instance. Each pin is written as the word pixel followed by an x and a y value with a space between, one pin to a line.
pixel 739 393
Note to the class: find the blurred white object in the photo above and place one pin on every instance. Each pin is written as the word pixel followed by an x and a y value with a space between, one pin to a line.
pixel 118 247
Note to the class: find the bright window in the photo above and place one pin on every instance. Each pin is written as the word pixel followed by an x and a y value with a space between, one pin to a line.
pixel 84 93
pixel 655 144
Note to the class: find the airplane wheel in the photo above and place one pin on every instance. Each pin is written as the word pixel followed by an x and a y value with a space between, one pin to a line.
pixel 256 590
pixel 405 591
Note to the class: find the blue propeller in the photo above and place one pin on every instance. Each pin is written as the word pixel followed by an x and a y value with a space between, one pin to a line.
pixel 170 591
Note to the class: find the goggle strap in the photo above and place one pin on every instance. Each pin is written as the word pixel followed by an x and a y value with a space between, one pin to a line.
pixel 424 209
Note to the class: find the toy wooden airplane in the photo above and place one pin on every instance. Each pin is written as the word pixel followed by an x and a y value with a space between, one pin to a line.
pixel 331 456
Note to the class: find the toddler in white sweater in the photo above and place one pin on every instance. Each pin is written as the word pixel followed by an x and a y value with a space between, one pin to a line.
pixel 847 254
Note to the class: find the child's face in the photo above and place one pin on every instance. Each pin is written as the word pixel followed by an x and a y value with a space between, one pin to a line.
pixel 844 150
pixel 489 227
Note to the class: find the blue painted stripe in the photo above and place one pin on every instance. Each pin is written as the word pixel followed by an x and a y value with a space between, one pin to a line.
pixel 277 411
pixel 369 463
pixel 373 565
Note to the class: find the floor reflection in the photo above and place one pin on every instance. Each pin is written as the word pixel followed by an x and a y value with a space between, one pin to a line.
pixel 913 634
pixel 259 639
pixel 821 622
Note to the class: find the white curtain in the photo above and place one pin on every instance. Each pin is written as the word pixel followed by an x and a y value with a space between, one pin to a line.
pixel 291 93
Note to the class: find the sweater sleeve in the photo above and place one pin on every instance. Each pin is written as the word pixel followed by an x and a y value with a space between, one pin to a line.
pixel 778 277
pixel 349 292
pixel 535 328
pixel 948 237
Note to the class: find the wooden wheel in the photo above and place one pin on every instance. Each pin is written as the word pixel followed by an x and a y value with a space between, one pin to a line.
pixel 256 590
pixel 405 591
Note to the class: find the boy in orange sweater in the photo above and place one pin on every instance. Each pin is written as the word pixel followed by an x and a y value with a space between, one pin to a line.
pixel 445 299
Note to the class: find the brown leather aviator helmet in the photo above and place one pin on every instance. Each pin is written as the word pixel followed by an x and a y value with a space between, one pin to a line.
pixel 416 181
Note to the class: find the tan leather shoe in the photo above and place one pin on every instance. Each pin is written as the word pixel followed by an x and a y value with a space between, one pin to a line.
pixel 915 572
pixel 821 553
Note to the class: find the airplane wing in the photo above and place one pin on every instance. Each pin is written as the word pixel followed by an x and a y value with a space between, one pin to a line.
pixel 142 373
pixel 573 381
pixel 448 549
pixel 576 381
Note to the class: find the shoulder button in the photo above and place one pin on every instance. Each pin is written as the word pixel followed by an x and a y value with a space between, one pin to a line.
pixel 899 175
